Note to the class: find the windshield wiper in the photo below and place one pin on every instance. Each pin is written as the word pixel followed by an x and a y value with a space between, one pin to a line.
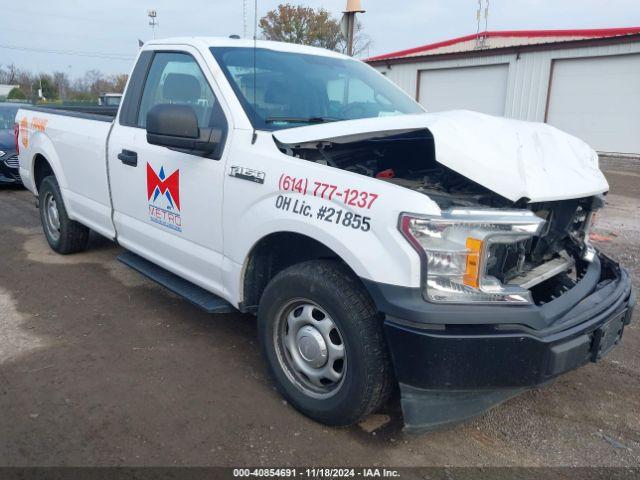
pixel 300 119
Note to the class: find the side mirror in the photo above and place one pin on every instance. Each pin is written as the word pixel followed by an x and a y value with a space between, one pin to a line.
pixel 176 127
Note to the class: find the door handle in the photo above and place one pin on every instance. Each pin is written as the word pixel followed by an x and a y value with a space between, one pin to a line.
pixel 128 158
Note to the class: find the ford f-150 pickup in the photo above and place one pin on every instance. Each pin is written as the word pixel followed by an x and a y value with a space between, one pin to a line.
pixel 378 244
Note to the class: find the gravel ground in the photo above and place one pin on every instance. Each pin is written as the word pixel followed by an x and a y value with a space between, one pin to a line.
pixel 99 366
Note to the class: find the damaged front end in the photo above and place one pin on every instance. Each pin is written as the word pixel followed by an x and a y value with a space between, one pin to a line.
pixel 510 299
pixel 541 263
pixel 512 293
pixel 455 362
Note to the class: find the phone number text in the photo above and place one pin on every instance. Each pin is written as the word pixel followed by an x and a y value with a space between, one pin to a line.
pixel 352 197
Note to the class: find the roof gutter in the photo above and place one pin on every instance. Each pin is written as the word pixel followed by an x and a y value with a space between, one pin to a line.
pixel 577 43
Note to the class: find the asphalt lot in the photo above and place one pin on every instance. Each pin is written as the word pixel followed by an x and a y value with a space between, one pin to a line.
pixel 99 366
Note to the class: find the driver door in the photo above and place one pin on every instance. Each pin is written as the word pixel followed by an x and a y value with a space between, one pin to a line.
pixel 168 204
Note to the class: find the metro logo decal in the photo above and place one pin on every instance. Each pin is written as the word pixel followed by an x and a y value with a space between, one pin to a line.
pixel 159 185
pixel 163 194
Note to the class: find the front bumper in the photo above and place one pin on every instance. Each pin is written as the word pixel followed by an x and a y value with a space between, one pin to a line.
pixel 9 171
pixel 455 361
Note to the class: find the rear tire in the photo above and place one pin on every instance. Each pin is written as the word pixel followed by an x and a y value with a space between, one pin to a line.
pixel 63 234
pixel 323 341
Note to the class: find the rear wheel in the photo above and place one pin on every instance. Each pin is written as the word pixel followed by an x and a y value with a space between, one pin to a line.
pixel 323 341
pixel 63 234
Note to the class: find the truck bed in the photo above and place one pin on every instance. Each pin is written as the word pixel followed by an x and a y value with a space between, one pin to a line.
pixel 90 112
pixel 73 141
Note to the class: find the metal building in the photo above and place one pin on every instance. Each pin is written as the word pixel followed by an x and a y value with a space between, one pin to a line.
pixel 585 82
pixel 5 89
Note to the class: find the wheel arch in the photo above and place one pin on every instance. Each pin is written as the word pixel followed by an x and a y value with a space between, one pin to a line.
pixel 42 153
pixel 41 168
pixel 273 253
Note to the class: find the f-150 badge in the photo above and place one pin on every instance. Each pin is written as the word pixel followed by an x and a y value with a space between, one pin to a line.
pixel 163 193
pixel 247 174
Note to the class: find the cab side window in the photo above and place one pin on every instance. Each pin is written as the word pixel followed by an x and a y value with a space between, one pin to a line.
pixel 176 78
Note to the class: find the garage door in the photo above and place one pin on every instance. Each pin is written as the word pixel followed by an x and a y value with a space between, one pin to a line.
pixel 598 100
pixel 482 88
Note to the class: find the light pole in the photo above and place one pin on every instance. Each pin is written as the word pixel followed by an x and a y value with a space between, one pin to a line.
pixel 348 23
pixel 152 14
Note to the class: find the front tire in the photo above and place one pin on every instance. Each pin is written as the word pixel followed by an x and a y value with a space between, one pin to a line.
pixel 63 234
pixel 323 342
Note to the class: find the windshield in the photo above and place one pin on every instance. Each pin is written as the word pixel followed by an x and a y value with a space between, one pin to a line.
pixel 7 116
pixel 293 89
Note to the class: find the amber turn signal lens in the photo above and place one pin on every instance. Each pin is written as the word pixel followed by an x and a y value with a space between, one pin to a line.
pixel 471 276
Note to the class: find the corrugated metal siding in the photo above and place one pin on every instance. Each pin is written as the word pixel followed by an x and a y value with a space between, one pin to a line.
pixel 529 74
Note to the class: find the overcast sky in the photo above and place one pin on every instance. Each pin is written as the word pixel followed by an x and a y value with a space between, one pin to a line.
pixel 109 29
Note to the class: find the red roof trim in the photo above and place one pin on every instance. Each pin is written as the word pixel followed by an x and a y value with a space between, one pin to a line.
pixel 594 32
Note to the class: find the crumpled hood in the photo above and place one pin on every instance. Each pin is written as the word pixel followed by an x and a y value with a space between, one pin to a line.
pixel 513 158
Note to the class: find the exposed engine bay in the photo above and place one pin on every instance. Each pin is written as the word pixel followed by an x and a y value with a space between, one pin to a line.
pixel 408 160
pixel 548 265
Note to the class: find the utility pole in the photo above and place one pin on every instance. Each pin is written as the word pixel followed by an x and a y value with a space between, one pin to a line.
pixel 152 14
pixel 244 19
pixel 348 23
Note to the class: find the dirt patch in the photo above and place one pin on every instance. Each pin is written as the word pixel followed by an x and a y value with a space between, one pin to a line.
pixel 16 338
pixel 101 251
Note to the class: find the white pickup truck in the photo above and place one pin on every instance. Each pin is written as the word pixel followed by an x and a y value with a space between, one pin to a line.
pixel 378 244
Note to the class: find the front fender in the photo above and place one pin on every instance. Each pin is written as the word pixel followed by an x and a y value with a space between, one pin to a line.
pixel 380 253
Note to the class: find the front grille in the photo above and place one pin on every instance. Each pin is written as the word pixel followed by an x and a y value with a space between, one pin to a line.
pixel 557 286
pixel 12 161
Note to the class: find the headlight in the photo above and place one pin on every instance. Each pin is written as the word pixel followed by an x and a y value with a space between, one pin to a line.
pixel 455 248
pixel 2 153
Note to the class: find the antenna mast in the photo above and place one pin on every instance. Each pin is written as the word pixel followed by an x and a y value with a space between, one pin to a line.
pixel 255 48
pixel 244 19
pixel 481 37
pixel 152 14
pixel 486 17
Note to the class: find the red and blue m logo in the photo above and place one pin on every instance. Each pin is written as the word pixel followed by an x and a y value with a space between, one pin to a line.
pixel 158 184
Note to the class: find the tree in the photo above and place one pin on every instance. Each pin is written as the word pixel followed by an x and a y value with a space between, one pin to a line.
pixel 61 84
pixel 8 74
pixel 361 41
pixel 306 26
pixel 48 89
pixel 119 82
pixel 95 82
pixel 16 94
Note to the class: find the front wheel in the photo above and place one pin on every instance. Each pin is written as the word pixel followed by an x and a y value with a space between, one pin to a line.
pixel 323 342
